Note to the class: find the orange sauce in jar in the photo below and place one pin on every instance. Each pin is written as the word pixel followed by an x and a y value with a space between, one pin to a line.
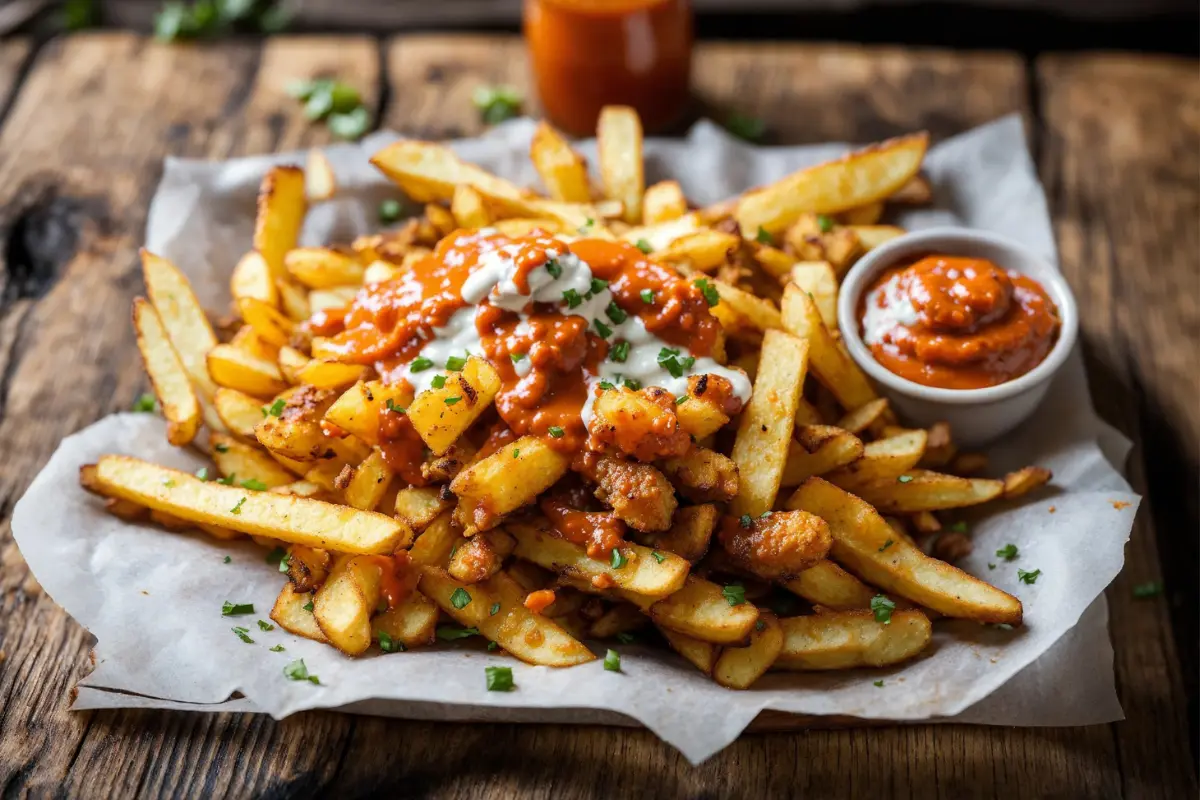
pixel 587 54
pixel 957 323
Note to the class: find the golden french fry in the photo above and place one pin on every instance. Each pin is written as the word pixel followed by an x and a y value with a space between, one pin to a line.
pixel 848 639
pixel 293 299
pixel 319 180
pixel 619 149
pixel 272 326
pixel 755 312
pixel 1025 480
pixel 922 490
pixel 882 460
pixel 285 517
pixel 295 430
pixel 235 368
pixel 324 373
pixel 281 209
pixel 323 268
pixel 481 556
pixel 169 378
pixel 705 611
pixel 442 415
pixel 468 208
pixel 370 483
pixel 412 622
pixel 827 585
pixel 345 602
pixel 663 202
pixel 702 655
pixel 660 235
pixel 184 320
pixel 238 460
pixel 829 363
pixel 252 278
pixel 699 416
pixel 563 171
pixel 293 611
pixel 765 429
pixel 871 236
pixel 862 215
pixel 511 477
pixel 739 667
pixel 622 618
pixel 689 535
pixel 703 250
pixel 419 506
pixel 867 415
pixel 819 280
pixel 860 542
pixel 433 547
pixel 818 449
pixel 862 177
pixel 359 408
pixel 530 637
pixel 307 567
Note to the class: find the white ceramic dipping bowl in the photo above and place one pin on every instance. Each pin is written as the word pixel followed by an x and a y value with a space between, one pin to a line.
pixel 976 416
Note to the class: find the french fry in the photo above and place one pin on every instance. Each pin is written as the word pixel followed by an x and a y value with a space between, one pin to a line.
pixel 928 491
pixel 246 463
pixel 323 268
pixel 167 375
pixel 702 655
pixel 369 484
pixel 663 202
pixel 761 447
pixel 288 518
pixel 307 567
pixel 701 610
pixel 268 323
pixel 440 218
pixel 1025 480
pixel 827 585
pixel 511 477
pixel 739 667
pixel 293 613
pixel 419 506
pixel 818 279
pixel 427 171
pixel 530 637
pixel 703 476
pixel 182 317
pixel 441 416
pixel 863 215
pixel 829 363
pixel 323 299
pixel 252 278
pixel 563 171
pixel 468 208
pixel 481 556
pixel 848 639
pixel 319 180
pixel 756 312
pixel 281 209
pixel 698 416
pixel 433 547
pixel 689 534
pixel 862 177
pixel 236 368
pixel 326 373
pixel 293 299
pixel 357 411
pixel 703 250
pixel 882 460
pixel 639 570
pixel 412 622
pixel 871 236
pixel 621 618
pixel 343 606
pixel 817 450
pixel 860 537
pixel 619 148
pixel 296 431
pixel 867 415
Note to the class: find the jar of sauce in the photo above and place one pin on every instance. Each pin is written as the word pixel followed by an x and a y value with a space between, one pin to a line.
pixel 957 323
pixel 587 54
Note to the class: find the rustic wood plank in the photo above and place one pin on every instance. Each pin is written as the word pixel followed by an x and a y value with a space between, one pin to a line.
pixel 80 154
pixel 1120 161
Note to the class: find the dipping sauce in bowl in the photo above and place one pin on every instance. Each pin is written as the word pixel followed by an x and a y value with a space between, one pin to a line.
pixel 955 322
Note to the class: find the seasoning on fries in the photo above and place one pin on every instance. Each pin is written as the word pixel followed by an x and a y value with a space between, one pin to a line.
pixel 594 414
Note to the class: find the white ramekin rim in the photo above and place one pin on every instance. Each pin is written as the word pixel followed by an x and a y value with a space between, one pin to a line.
pixel 957 241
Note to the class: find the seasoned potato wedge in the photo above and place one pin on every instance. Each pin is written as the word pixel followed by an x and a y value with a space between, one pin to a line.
pixel 847 639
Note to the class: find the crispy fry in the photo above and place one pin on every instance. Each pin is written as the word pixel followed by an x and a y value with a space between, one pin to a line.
pixel 293 613
pixel 663 202
pixel 419 506
pixel 344 604
pixel 702 610
pixel 827 585
pixel 319 180
pixel 882 460
pixel 1025 480
pixel 281 209
pixel 847 639
pixel 252 278
pixel 269 324
pixel 481 556
pixel 702 655
pixel 619 147
pixel 830 364
pixel 167 375
pixel 412 622
pixel 182 317
pixel 440 416
pixel 563 171
pixel 246 463
pixel 818 279
pixel 235 368
pixel 468 208
pixel 739 667
pixel 867 415
pixel 511 477
pixel 928 491
pixel 817 450
pixel 433 547
pixel 369 484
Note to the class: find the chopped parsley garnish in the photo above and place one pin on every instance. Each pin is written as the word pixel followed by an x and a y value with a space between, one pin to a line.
pixel 228 479
pixel 615 313
pixel 237 508
pixel 243 634
pixel 1028 577
pixel 587 223
pixel 734 594
pixel 886 545
pixel 763 237
pixel 991 565
pixel 602 329
pixel 168 482
pixel 228 559
pixel 494 610
pixel 1150 589
pixel 265 626
pixel 221 448
pixel 825 223
pixel 597 286
pixel 277 648
pixel 254 485
pixel 144 404
pixel 607 386
pixel 308 606
pixel 461 598
pixel 632 384
pixel 879 683
pixel 276 408
pixel 451 400
pixel 572 298
pixel 1008 552
pixel 708 290
pixel 296 671
pixel 882 607
pixel 905 479
pixel 496 103
pixel 391 406
pixel 389 645
pixel 644 246
pixel 743 126
pixel 612 661
pixel 619 352
pixel 499 679
pixel 229 609
pixel 516 452
pixel 455 363
pixel 516 357
pixel 746 521
pixel 959 527
pixel 275 556
pixel 492 646
pixel 669 360
pixel 420 364
pixel 618 558
pixel 647 295
pixel 556 432
pixel 390 210
pixel 439 381
pixel 625 638
pixel 554 268
pixel 683 398
pixel 448 633
pixel 659 557
pixel 202 473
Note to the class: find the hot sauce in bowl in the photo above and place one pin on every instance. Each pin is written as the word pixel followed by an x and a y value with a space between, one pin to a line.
pixel 956 322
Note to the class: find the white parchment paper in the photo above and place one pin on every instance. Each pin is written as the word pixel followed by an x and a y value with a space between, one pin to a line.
pixel 153 599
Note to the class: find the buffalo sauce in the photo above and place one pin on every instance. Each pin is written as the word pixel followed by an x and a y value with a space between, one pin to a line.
pixel 957 323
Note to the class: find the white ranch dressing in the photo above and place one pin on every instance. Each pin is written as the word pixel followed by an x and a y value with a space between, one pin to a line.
pixel 896 309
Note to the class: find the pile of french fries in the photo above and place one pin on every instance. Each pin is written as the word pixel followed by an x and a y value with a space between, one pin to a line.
pixel 815 469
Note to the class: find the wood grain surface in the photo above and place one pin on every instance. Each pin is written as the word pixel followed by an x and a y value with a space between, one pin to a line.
pixel 81 148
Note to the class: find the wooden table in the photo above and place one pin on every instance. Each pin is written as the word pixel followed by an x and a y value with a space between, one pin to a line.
pixel 84 125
